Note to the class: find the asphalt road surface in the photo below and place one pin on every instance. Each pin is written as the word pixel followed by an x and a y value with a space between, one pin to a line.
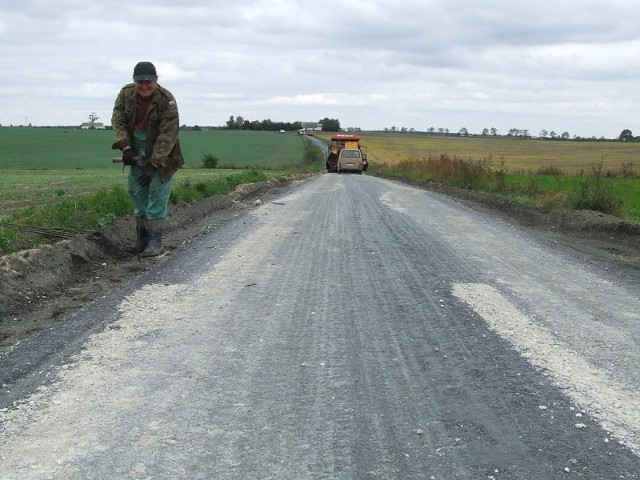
pixel 353 328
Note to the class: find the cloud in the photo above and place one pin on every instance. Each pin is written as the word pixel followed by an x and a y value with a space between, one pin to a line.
pixel 417 64
pixel 328 99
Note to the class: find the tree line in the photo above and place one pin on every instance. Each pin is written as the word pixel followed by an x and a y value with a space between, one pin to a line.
pixel 625 136
pixel 240 123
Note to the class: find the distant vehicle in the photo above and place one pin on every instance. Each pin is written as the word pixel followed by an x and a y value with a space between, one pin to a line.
pixel 350 160
pixel 282 131
pixel 340 142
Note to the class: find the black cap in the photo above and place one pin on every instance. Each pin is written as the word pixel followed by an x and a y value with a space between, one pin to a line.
pixel 144 71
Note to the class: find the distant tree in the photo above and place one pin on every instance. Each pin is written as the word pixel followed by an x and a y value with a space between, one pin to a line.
pixel 431 130
pixel 93 117
pixel 543 133
pixel 626 135
pixel 330 124
pixel 235 123
pixel 494 131
pixel 566 136
pixel 463 132
pixel 553 134
pixel 485 132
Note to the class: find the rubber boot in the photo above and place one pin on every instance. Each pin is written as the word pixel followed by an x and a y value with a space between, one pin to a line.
pixel 154 246
pixel 142 237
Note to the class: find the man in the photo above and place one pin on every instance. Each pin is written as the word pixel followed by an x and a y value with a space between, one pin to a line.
pixel 145 124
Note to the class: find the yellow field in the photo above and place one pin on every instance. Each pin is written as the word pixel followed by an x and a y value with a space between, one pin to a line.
pixel 520 155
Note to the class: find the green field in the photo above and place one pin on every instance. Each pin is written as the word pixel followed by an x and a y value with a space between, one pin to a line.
pixel 68 149
pixel 40 166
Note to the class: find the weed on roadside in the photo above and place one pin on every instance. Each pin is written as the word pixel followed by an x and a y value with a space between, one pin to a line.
pixel 595 193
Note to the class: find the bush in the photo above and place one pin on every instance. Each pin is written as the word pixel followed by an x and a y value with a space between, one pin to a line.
pixel 594 194
pixel 210 161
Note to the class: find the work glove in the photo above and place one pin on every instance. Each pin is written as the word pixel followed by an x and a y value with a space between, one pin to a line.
pixel 147 174
pixel 128 157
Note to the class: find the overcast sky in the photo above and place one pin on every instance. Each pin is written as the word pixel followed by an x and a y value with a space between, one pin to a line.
pixel 566 65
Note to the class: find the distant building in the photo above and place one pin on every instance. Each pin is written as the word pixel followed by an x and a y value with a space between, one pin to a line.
pixel 89 125
pixel 310 127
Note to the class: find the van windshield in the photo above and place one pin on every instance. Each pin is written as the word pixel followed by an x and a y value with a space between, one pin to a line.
pixel 351 153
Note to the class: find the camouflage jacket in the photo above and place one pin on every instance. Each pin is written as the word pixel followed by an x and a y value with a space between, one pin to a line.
pixel 162 127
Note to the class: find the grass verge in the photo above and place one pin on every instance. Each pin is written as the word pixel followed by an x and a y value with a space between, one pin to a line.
pixel 36 225
pixel 599 191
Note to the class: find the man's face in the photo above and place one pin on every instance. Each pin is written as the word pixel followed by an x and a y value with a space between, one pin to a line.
pixel 145 88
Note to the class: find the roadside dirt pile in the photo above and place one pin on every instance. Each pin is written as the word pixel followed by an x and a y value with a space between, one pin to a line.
pixel 39 287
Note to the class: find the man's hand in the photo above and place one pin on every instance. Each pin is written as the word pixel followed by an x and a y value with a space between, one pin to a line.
pixel 147 174
pixel 128 157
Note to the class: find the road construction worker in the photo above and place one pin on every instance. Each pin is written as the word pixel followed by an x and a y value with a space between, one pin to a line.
pixel 145 124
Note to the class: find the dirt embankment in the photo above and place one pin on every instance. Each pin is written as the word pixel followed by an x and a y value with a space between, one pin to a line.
pixel 39 287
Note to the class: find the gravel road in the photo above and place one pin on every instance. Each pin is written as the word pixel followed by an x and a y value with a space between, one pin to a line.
pixel 352 328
